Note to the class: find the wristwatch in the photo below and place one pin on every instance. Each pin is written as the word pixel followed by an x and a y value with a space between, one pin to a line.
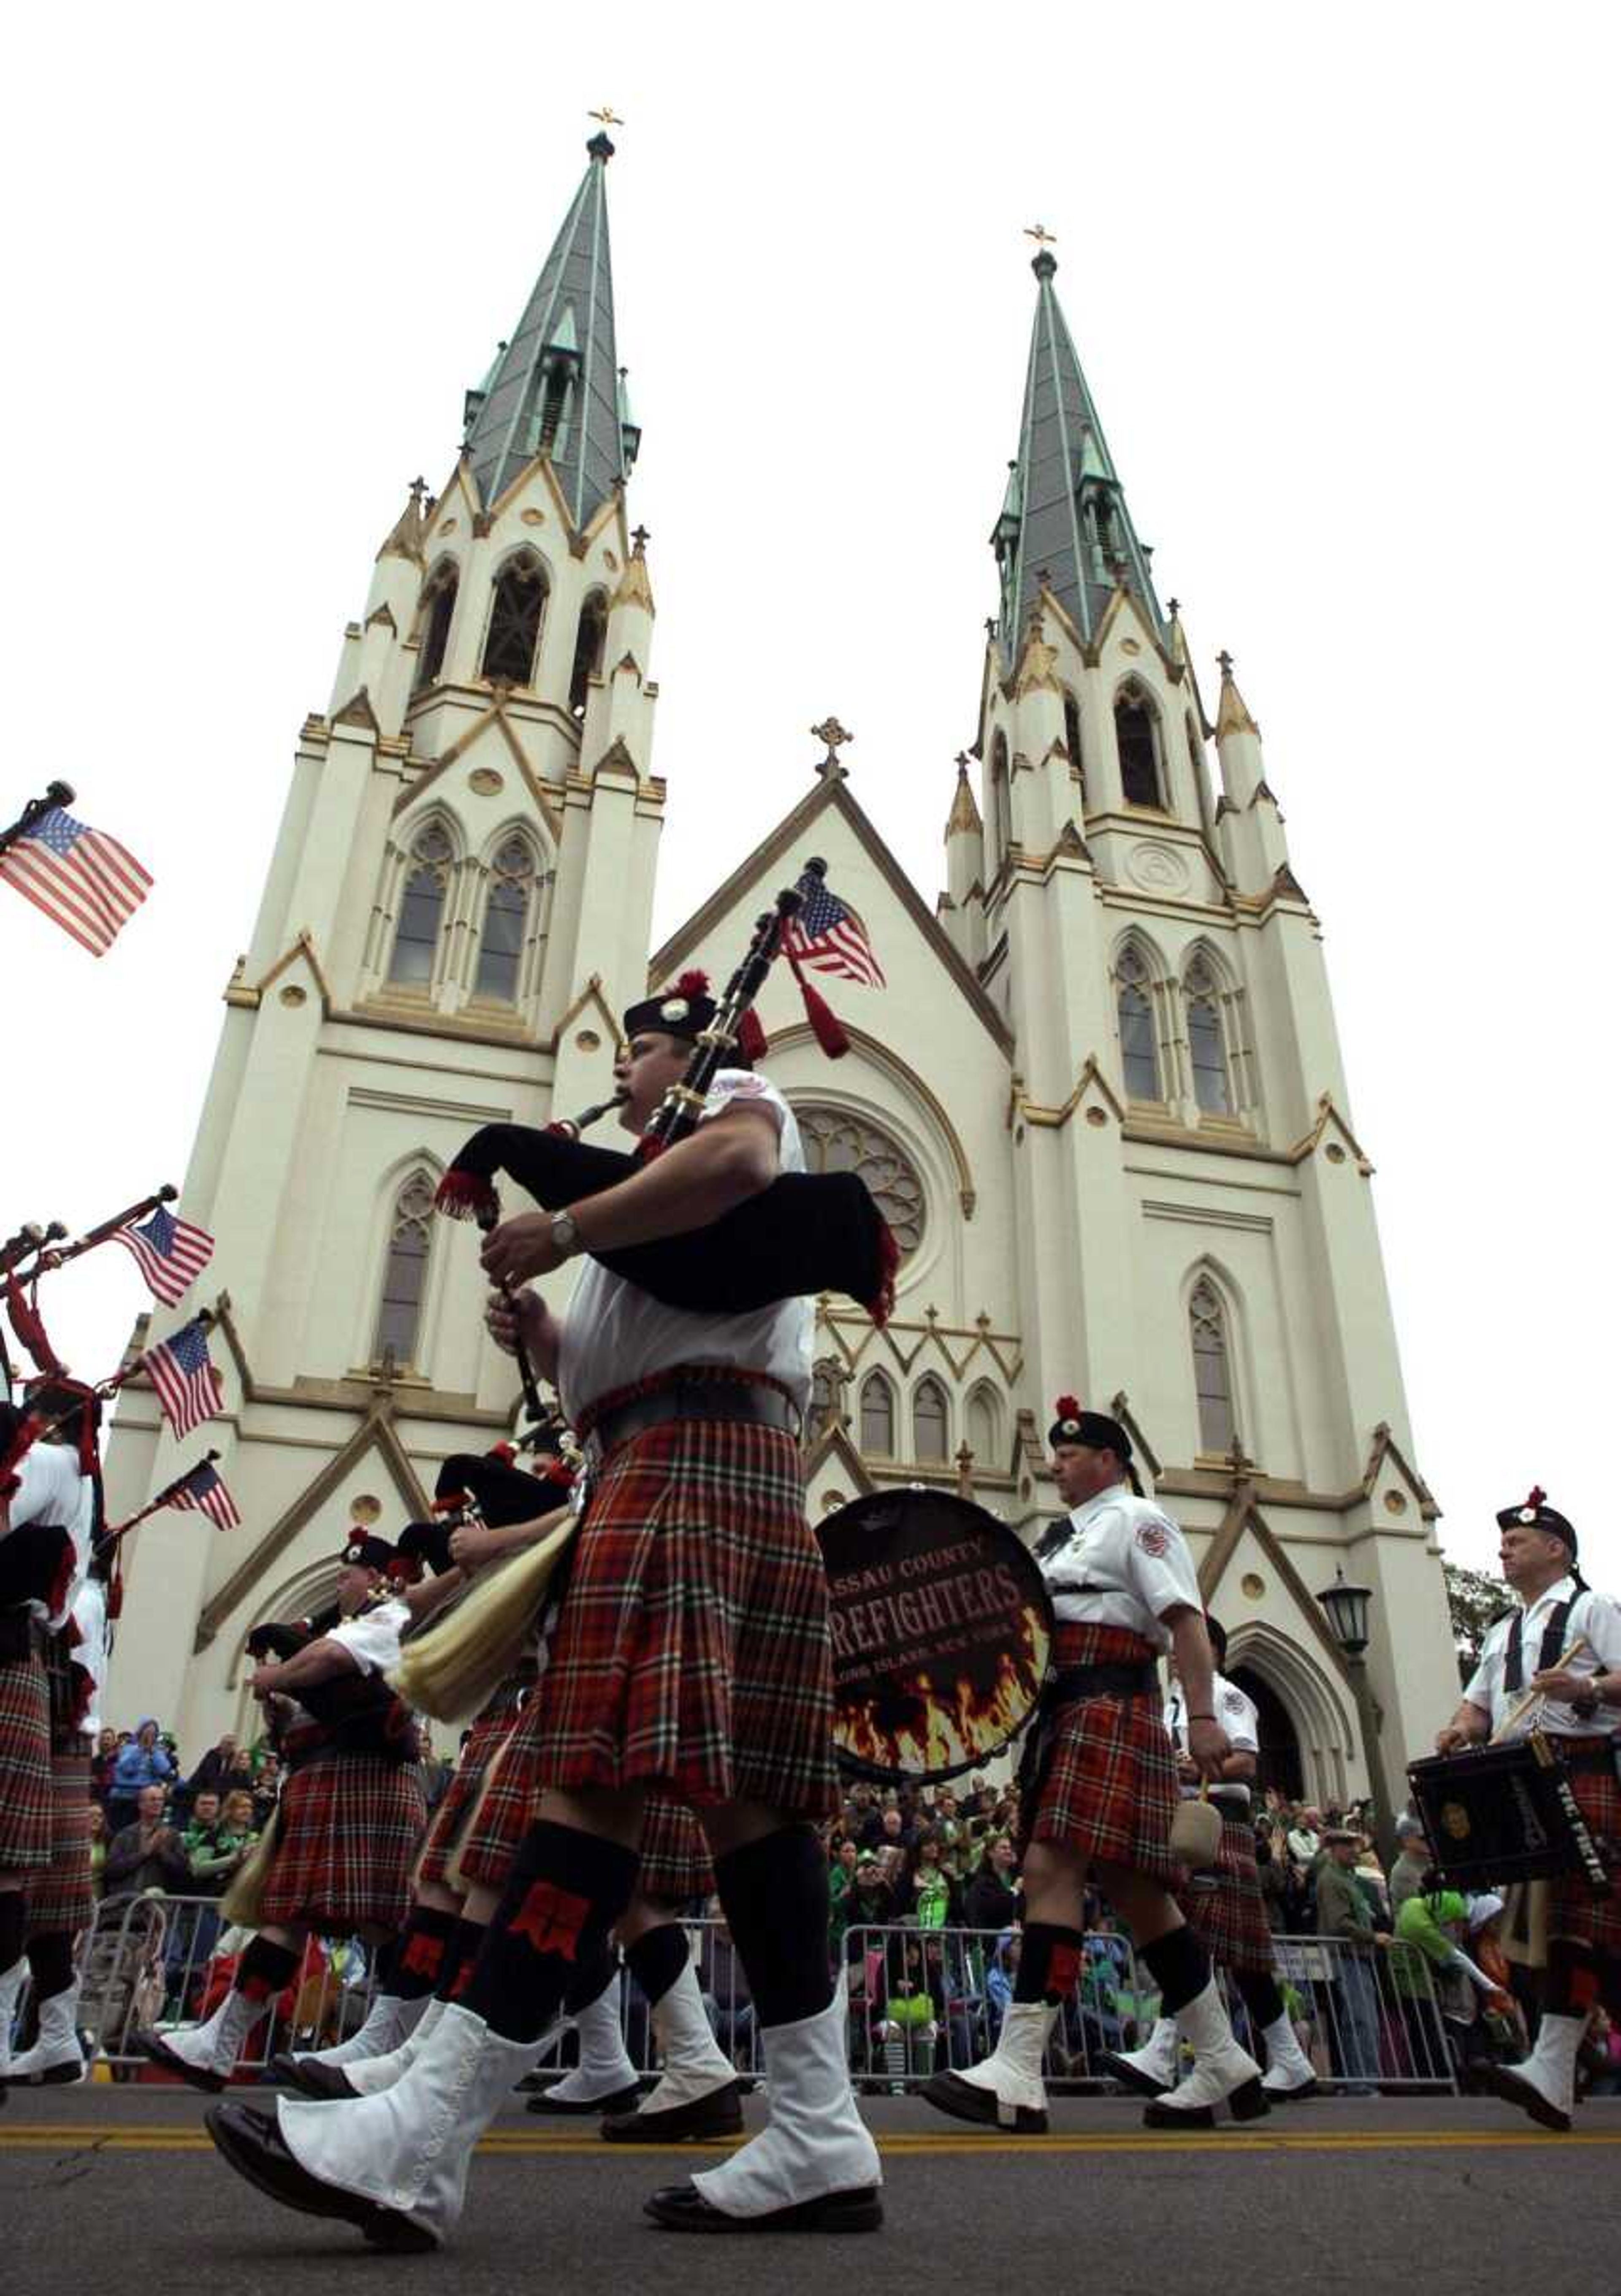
pixel 566 1238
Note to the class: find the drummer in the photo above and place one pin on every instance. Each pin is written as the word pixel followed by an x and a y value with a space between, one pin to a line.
pixel 1528 1648
pixel 1099 1788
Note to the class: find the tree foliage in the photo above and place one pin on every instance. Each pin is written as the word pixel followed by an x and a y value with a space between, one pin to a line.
pixel 1473 1598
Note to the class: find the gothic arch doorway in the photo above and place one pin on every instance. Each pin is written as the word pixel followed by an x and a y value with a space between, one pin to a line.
pixel 1280 1764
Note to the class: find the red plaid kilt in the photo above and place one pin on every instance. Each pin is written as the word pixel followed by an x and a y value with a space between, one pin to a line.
pixel 349 1826
pixel 1107 1787
pixel 461 1796
pixel 692 1648
pixel 27 1800
pixel 1573 1910
pixel 675 1865
pixel 63 1898
pixel 1224 1909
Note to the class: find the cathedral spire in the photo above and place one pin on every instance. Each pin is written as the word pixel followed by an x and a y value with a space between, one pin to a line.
pixel 1063 519
pixel 555 388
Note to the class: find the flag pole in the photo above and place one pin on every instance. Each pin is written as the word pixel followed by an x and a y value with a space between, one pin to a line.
pixel 56 793
pixel 52 1258
pixel 110 1538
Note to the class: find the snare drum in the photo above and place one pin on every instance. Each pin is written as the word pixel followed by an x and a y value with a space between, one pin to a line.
pixel 941 1630
pixel 1504 1814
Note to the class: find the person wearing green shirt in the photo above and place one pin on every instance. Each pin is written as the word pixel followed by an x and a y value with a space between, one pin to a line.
pixel 1343 1916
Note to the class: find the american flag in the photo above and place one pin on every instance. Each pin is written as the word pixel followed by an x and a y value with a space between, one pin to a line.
pixel 82 879
pixel 204 1490
pixel 829 937
pixel 189 1386
pixel 170 1253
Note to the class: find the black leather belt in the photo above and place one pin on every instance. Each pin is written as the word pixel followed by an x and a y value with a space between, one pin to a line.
pixel 736 1401
pixel 1104 1680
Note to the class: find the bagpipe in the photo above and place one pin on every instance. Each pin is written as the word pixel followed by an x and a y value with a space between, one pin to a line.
pixel 355 1713
pixel 803 1234
pixel 450 1670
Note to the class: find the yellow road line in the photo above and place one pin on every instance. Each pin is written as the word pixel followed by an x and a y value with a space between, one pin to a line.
pixel 64 2137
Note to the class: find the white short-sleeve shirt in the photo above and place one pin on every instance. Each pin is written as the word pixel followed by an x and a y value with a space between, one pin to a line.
pixel 1124 1563
pixel 373 1638
pixel 614 1333
pixel 1593 1616
pixel 52 1491
pixel 1235 1713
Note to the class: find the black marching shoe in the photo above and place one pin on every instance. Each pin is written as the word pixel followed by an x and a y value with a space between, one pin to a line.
pixel 622 2100
pixel 682 2208
pixel 253 2144
pixel 313 2079
pixel 967 2100
pixel 704 2119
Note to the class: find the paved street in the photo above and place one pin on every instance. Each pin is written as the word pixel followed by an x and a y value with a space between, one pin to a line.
pixel 1332 2196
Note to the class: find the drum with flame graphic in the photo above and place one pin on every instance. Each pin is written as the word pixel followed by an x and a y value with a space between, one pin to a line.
pixel 941 1631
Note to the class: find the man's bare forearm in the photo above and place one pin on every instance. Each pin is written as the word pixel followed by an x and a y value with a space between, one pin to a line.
pixel 689 1186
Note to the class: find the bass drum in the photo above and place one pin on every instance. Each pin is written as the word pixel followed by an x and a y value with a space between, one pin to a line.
pixel 942 1633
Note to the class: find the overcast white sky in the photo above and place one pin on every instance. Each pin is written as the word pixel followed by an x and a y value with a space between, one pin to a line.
pixel 1343 285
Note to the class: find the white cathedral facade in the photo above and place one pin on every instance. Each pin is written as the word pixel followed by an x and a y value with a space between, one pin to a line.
pixel 1104 1106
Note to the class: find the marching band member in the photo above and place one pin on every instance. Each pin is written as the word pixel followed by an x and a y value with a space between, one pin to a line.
pixel 1581 1712
pixel 1098 1788
pixel 691 1652
pixel 45 1540
pixel 350 1816
pixel 1224 1907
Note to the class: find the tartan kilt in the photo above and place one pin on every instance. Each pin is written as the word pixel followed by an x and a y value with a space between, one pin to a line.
pixel 1106 1785
pixel 350 1828
pixel 692 1648
pixel 1224 1909
pixel 675 1865
pixel 1573 1910
pixel 63 1898
pixel 461 1796
pixel 507 1804
pixel 27 1800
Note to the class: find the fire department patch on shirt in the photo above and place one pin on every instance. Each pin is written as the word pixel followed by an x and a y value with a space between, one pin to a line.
pixel 1151 1537
pixel 1233 1700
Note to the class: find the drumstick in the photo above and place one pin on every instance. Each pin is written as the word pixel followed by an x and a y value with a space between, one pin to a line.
pixel 1531 1696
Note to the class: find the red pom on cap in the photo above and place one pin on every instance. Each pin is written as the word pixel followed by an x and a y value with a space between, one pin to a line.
pixel 1538 1497
pixel 1067 1407
pixel 694 983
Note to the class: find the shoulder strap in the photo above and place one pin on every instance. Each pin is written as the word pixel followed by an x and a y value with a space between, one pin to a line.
pixel 1553 1636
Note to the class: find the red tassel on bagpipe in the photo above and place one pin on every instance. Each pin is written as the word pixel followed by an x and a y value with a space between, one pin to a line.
pixel 752 1043
pixel 825 1023
pixel 882 1306
pixel 465 1195
pixel 30 1331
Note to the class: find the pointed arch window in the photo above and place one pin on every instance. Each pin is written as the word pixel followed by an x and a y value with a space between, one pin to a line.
pixel 930 1422
pixel 1002 804
pixel 588 641
pixel 1136 739
pixel 405 1271
pixel 878 1416
pixel 1138 1036
pixel 433 621
pixel 986 1429
pixel 1206 1051
pixel 515 615
pixel 1072 738
pixel 1212 1375
pixel 505 917
pixel 422 909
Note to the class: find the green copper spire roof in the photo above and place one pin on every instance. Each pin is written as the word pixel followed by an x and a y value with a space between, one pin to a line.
pixel 1064 515
pixel 555 387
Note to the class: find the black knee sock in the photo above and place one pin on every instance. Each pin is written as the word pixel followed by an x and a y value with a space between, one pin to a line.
pixel 1180 1967
pixel 1050 1961
pixel 13 1921
pixel 1258 1991
pixel 564 1893
pixel 1573 1979
pixel 414 1967
pixel 456 1969
pixel 657 1959
pixel 593 1972
pixel 51 1959
pixel 266 1969
pixel 774 1894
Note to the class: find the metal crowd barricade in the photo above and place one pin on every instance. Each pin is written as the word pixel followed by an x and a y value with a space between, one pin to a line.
pixel 920 2001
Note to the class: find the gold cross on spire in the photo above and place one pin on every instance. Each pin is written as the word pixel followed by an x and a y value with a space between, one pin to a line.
pixel 607 115
pixel 834 735
pixel 1040 234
